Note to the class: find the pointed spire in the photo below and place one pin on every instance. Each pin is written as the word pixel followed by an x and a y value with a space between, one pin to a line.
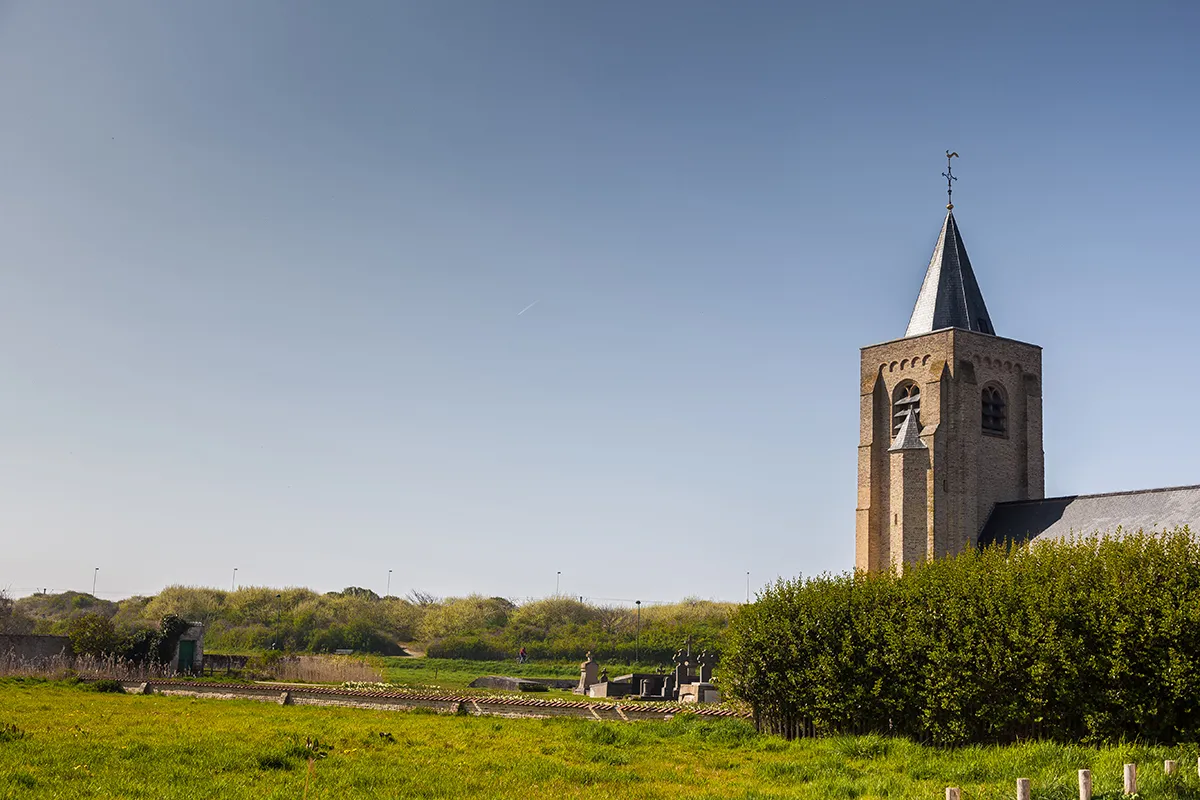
pixel 950 296
pixel 909 435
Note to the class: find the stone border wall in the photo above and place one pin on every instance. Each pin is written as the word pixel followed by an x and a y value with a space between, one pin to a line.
pixel 34 648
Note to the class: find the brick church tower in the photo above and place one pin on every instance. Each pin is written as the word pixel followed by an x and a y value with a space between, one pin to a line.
pixel 951 422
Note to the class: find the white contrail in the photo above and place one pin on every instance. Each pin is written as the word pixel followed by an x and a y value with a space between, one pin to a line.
pixel 526 308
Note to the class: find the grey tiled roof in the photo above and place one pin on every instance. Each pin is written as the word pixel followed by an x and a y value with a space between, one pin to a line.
pixel 950 296
pixel 909 435
pixel 1056 517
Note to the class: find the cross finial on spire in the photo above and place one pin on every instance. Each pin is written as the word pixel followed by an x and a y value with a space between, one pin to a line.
pixel 950 179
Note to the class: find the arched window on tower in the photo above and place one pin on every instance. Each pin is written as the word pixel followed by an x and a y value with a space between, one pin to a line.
pixel 907 397
pixel 995 411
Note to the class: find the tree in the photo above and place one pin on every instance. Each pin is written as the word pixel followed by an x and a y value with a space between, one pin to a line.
pixel 359 592
pixel 92 635
pixel 170 630
pixel 421 599
pixel 11 618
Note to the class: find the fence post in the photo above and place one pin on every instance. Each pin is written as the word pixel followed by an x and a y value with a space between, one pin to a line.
pixel 1085 784
pixel 1131 779
pixel 1169 767
pixel 953 793
pixel 1022 788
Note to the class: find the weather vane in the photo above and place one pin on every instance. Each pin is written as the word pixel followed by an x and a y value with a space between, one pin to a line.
pixel 950 179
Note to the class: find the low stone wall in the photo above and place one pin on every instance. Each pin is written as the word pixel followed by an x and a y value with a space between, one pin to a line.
pixel 507 684
pixel 293 694
pixel 30 649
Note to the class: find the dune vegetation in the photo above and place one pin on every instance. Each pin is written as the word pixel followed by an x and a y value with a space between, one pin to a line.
pixel 253 619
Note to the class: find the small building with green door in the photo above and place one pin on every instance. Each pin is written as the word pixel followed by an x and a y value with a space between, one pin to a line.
pixel 189 653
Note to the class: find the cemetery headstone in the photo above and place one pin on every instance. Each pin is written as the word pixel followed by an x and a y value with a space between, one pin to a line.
pixel 587 674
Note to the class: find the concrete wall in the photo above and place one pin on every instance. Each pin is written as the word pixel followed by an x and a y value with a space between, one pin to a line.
pixel 33 649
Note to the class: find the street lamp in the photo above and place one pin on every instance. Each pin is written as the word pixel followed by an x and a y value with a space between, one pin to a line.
pixel 233 586
pixel 557 578
pixel 747 586
pixel 388 593
pixel 637 647
pixel 94 574
pixel 278 619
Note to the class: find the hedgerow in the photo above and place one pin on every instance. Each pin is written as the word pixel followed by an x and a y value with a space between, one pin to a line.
pixel 1094 639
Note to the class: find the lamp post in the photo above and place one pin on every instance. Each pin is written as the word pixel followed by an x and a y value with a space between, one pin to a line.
pixel 557 579
pixel 388 593
pixel 747 586
pixel 637 647
pixel 278 619
pixel 233 586
pixel 94 574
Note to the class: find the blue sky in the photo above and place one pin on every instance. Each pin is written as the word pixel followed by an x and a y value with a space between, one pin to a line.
pixel 262 265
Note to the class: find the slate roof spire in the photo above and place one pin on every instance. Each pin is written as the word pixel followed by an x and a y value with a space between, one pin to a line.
pixel 950 296
pixel 909 435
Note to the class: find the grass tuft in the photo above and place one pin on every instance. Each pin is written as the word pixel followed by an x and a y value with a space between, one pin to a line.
pixel 9 732
pixel 268 761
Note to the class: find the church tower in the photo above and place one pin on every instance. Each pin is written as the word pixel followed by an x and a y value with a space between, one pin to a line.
pixel 951 421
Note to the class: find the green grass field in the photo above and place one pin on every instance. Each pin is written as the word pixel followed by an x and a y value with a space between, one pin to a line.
pixel 62 741
pixel 452 673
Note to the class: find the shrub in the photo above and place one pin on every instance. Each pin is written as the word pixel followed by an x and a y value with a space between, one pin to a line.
pixel 93 635
pixel 1094 639
pixel 107 685
pixel 12 619
pixel 171 629
pixel 475 648
pixel 300 620
pixel 464 616
pixel 140 646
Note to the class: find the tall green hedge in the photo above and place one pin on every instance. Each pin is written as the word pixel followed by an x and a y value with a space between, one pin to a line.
pixel 1095 639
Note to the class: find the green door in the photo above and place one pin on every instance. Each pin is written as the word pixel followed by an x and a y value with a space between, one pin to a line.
pixel 187 654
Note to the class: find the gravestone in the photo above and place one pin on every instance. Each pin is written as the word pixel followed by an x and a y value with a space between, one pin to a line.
pixel 681 667
pixel 588 674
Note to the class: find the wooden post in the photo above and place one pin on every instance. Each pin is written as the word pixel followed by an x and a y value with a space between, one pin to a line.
pixel 1170 767
pixel 1022 788
pixel 1131 779
pixel 1085 784
pixel 953 793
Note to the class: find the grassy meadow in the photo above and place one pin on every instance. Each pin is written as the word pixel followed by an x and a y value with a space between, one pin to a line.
pixel 456 673
pixel 58 740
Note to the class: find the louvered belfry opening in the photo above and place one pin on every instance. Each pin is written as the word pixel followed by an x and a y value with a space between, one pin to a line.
pixel 995 419
pixel 906 398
